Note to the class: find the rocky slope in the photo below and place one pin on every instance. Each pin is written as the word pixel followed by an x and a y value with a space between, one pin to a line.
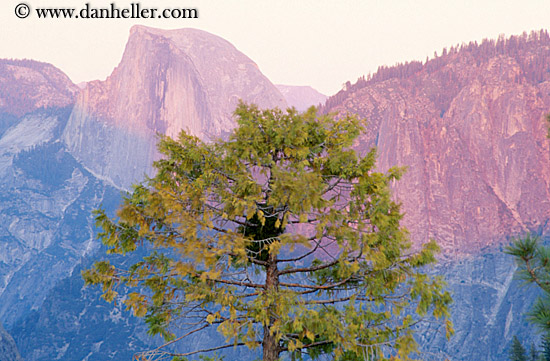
pixel 45 196
pixel 167 81
pixel 46 199
pixel 470 126
pixel 489 309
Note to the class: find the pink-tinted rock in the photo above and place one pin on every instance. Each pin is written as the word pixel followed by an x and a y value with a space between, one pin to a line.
pixel 168 80
pixel 470 126
pixel 27 85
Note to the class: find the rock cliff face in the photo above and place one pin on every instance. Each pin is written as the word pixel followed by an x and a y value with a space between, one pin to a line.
pixel 470 126
pixel 489 309
pixel 167 81
pixel 46 199
pixel 45 196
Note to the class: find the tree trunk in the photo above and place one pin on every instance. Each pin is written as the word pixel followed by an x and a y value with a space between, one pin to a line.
pixel 270 344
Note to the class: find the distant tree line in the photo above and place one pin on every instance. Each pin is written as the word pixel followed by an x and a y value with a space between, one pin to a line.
pixel 48 163
pixel 535 67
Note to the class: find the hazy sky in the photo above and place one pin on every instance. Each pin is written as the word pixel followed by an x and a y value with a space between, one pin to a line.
pixel 322 43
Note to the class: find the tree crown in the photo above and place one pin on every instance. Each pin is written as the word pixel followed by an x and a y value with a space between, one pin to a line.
pixel 281 236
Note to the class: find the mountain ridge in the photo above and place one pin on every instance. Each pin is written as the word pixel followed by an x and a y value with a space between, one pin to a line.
pixel 27 85
pixel 473 51
pixel 167 81
pixel 472 132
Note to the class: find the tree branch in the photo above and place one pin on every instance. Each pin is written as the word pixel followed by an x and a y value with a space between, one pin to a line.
pixel 239 283
pixel 324 287
pixel 182 337
pixel 309 269
pixel 304 255
pixel 208 349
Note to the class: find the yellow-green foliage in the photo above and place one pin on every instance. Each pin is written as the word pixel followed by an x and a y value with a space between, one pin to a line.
pixel 281 237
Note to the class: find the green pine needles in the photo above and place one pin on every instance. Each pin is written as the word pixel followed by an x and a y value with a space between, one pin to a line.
pixel 281 238
pixel 534 268
pixel 517 351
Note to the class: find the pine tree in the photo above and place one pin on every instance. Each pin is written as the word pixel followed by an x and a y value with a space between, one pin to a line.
pixel 534 268
pixel 517 351
pixel 545 348
pixel 281 237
